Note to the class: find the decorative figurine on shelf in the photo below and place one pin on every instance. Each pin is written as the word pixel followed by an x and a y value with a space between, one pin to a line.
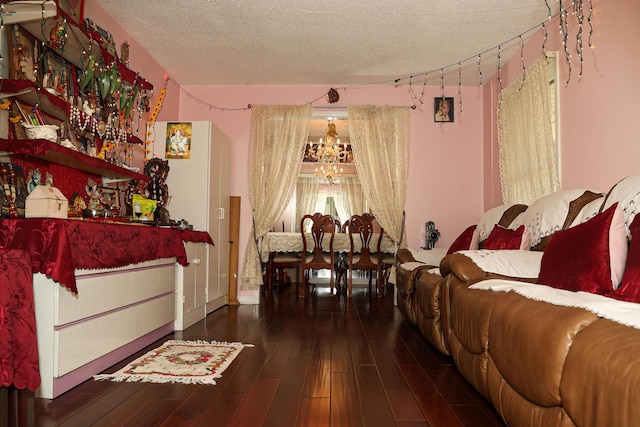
pixel 58 35
pixel 34 179
pixel 432 235
pixel 95 195
pixel 76 205
pixel 156 189
pixel 124 53
pixel 48 180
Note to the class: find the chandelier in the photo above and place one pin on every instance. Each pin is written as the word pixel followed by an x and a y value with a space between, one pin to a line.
pixel 328 153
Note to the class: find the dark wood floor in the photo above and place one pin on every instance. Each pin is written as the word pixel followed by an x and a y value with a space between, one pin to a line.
pixel 320 360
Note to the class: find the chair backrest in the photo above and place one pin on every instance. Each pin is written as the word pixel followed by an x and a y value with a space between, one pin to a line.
pixel 321 226
pixel 363 228
pixel 338 226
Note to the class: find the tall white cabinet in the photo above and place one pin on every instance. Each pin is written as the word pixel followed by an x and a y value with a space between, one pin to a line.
pixel 199 189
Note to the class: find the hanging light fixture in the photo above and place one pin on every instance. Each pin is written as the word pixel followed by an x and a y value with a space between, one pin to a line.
pixel 328 153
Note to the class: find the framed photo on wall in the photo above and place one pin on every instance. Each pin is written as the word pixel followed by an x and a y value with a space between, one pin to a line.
pixel 178 141
pixel 24 55
pixel 56 75
pixel 110 197
pixel 443 109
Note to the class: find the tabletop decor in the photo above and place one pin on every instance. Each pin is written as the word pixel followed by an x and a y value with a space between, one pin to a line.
pixel 186 362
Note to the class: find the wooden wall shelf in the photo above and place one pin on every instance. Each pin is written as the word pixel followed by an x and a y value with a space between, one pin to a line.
pixel 56 153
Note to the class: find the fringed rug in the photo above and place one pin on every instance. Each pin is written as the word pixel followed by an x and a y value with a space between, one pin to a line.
pixel 186 362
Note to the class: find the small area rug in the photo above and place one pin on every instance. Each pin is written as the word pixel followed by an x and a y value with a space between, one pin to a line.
pixel 186 362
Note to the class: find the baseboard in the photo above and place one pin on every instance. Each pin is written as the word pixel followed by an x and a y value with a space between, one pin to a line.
pixel 250 299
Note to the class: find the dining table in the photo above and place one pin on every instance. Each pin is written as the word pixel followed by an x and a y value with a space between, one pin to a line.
pixel 292 242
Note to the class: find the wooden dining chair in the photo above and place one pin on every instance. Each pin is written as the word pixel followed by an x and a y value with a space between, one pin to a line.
pixel 317 247
pixel 361 229
pixel 277 265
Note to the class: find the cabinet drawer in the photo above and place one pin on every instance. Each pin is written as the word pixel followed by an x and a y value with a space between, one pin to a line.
pixel 88 340
pixel 106 291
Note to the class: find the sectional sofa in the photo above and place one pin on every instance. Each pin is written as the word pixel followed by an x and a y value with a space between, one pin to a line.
pixel 549 334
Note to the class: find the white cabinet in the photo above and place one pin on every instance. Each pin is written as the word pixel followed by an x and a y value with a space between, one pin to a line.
pixel 191 289
pixel 115 313
pixel 199 189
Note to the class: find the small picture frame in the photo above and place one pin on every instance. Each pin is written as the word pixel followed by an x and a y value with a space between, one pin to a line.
pixel 443 109
pixel 56 75
pixel 178 141
pixel 110 197
pixel 24 55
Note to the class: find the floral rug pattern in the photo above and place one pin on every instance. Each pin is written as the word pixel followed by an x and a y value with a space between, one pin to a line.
pixel 186 362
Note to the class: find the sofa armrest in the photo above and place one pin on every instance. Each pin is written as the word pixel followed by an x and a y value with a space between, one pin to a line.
pixel 482 264
pixel 404 255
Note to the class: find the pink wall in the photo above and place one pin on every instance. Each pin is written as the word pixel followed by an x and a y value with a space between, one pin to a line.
pixel 444 158
pixel 599 132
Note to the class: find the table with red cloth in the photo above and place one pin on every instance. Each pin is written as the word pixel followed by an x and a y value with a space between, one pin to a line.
pixel 58 247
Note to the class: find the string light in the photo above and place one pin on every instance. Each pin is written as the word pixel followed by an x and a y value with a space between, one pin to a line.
pixel 424 84
pixel 499 77
pixel 480 69
pixel 544 40
pixel 565 35
pixel 580 17
pixel 590 23
pixel 442 81
pixel 524 69
pixel 460 85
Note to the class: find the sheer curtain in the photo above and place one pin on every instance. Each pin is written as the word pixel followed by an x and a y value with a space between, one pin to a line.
pixel 527 151
pixel 307 193
pixel 276 147
pixel 350 198
pixel 379 137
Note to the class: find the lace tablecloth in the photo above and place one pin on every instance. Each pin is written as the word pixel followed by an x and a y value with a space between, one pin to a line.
pixel 292 242
pixel 58 247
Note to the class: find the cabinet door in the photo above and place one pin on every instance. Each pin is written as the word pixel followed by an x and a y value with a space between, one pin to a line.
pixel 219 219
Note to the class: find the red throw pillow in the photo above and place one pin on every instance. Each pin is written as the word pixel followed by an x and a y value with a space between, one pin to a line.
pixel 465 241
pixel 503 238
pixel 579 258
pixel 629 289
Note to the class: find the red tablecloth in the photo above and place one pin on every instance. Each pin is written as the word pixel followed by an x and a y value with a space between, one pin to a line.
pixel 59 246
pixel 18 342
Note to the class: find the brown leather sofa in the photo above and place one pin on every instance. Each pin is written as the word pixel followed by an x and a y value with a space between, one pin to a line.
pixel 418 287
pixel 541 364
pixel 538 363
pixel 419 284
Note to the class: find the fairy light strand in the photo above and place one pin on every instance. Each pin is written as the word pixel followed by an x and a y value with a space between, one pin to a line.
pixel 460 86
pixel 580 18
pixel 524 69
pixel 499 76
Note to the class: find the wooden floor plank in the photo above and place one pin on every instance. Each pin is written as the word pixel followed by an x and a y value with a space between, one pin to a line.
pixel 319 360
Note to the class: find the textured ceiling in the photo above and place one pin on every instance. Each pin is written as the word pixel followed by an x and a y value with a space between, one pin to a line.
pixel 238 42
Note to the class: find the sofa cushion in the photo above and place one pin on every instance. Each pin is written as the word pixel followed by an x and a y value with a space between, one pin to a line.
pixel 547 215
pixel 468 240
pixel 503 238
pixel 629 289
pixel 498 215
pixel 589 257
pixel 627 194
